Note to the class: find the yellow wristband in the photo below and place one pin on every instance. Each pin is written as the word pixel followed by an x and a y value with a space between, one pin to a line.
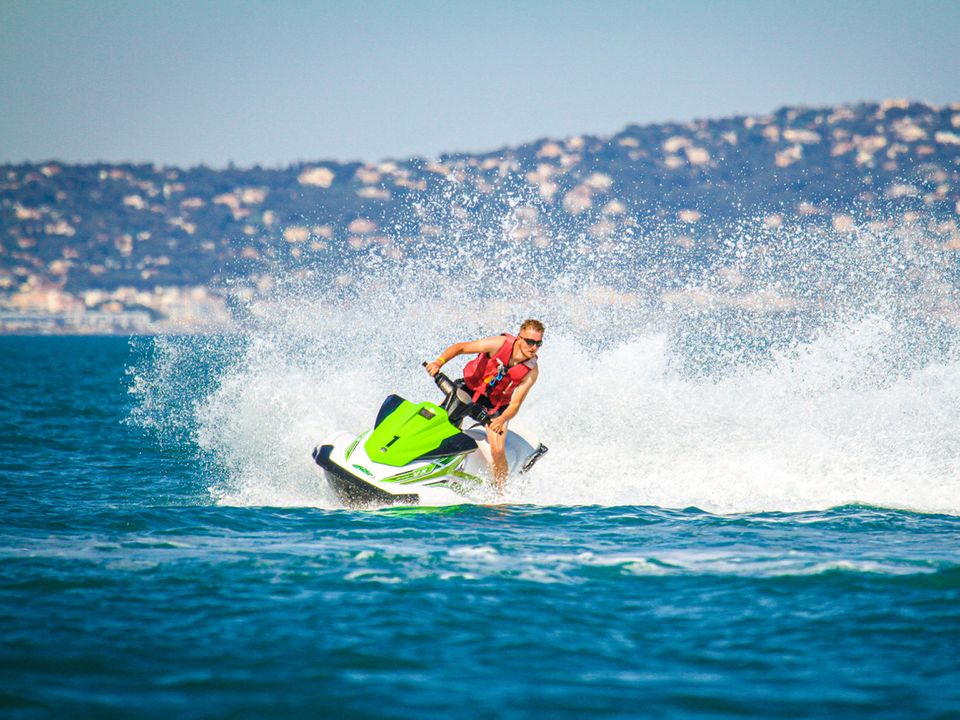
pixel 440 360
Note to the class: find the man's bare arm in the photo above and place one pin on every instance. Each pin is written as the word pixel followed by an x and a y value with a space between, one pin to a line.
pixel 488 345
pixel 516 401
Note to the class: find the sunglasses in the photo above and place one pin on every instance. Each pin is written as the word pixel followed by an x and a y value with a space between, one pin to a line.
pixel 532 343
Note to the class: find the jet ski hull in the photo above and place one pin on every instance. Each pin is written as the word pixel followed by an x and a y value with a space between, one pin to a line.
pixel 354 492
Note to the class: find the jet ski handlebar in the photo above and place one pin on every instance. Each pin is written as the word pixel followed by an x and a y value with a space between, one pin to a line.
pixel 458 402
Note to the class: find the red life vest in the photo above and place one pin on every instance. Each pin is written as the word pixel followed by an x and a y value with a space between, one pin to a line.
pixel 493 376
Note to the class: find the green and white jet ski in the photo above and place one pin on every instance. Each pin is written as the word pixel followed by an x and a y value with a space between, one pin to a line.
pixel 417 453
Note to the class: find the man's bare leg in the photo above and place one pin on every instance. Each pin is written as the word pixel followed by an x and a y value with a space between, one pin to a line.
pixel 498 455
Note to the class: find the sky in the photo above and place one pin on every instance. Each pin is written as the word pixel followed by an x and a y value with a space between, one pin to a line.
pixel 272 83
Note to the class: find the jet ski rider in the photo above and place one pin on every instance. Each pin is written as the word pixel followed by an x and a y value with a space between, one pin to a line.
pixel 500 376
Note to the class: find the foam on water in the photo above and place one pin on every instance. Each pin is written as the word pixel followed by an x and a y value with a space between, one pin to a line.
pixel 791 371
pixel 802 432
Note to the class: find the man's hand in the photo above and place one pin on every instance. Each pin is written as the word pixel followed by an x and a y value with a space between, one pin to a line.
pixel 433 367
pixel 497 425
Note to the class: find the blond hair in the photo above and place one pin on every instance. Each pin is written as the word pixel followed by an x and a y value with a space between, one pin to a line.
pixel 533 325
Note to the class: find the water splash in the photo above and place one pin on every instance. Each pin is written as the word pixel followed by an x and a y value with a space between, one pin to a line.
pixel 792 368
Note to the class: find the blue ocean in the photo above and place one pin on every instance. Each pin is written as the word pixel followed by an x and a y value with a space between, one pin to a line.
pixel 750 506
pixel 205 571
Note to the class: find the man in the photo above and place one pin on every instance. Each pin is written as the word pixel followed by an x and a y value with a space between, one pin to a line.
pixel 500 376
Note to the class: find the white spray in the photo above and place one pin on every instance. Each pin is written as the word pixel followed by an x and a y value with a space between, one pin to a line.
pixel 819 372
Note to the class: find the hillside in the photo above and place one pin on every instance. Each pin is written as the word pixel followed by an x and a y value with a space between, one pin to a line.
pixel 134 248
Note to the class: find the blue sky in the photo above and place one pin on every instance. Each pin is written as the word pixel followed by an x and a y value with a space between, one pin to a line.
pixel 184 83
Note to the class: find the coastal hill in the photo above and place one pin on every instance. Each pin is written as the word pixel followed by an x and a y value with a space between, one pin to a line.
pixel 140 247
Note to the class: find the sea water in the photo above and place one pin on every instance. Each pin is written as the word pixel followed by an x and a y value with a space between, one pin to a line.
pixel 139 578
pixel 750 506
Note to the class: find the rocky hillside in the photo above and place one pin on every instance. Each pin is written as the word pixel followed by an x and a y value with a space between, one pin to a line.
pixel 153 240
